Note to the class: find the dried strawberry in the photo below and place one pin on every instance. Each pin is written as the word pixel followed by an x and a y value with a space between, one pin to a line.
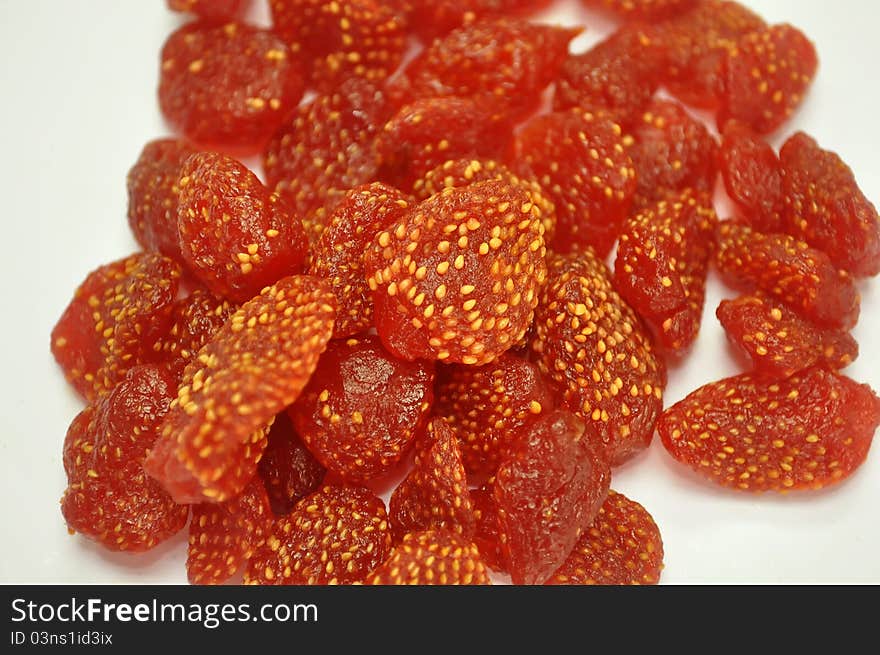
pixel 778 341
pixel 432 557
pixel 590 342
pixel 338 535
pixel 430 131
pixel 504 64
pixel 338 255
pixel 223 536
pixel 342 38
pixel 457 278
pixel 489 407
pixel 152 196
pixel 194 320
pixel 789 270
pixel 618 76
pixel 486 531
pixel 807 432
pixel 548 489
pixel 672 151
pixel 646 10
pixel 435 18
pixel 212 9
pixel 697 44
pixel 228 86
pixel 825 207
pixel 236 236
pixel 752 176
pixel 254 367
pixel 327 148
pixel 109 497
pixel 434 494
pixel 115 316
pixel 289 471
pixel 579 160
pixel 766 77
pixel 662 260
pixel 621 547
pixel 464 172
pixel 362 408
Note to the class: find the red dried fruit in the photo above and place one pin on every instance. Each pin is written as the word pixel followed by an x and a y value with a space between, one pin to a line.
pixel 789 270
pixel 288 469
pixel 618 76
pixel 457 278
pixel 228 86
pixel 327 148
pixel 752 176
pixel 502 64
pixel 647 10
pixel 807 432
pixel 338 255
pixel 194 320
pixel 430 131
pixel 342 38
pixel 235 235
pixel 490 407
pixel 766 77
pixel 662 261
pixel 825 207
pixel 434 18
pixel 486 531
pixel 109 497
pixel 464 172
pixel 672 151
pixel 153 193
pixel 212 9
pixel 338 535
pixel 115 316
pixel 435 493
pixel 621 547
pixel 433 557
pixel 590 342
pixel 548 490
pixel 254 367
pixel 223 536
pixel 778 341
pixel 362 408
pixel 579 160
pixel 697 44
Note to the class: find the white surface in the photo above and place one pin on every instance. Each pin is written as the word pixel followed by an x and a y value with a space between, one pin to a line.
pixel 78 103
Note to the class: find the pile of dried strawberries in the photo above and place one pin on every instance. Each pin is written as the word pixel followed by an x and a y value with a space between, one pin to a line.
pixel 418 291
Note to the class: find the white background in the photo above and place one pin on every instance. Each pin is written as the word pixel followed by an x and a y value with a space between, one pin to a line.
pixel 77 103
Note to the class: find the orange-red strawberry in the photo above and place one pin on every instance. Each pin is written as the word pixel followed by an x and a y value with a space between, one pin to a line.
pixel 789 270
pixel 223 536
pixel 807 432
pixel 662 260
pixel 621 547
pixel 489 407
pixel 432 557
pixel 289 471
pixel 109 498
pixel 457 277
pixel 337 535
pixel 548 490
pixel 113 320
pixel 435 493
pixel 235 235
pixel 254 367
pixel 778 341
pixel 363 408
pixel 590 342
